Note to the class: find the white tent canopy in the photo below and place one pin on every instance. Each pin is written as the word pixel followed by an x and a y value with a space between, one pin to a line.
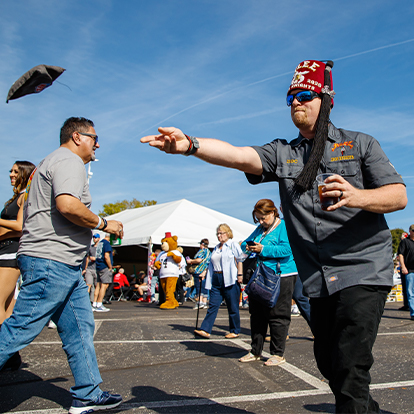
pixel 188 221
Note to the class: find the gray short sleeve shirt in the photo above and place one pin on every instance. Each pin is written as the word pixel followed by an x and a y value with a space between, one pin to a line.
pixel 46 233
pixel 347 247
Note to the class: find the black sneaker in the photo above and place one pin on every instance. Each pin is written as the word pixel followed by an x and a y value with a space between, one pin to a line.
pixel 106 401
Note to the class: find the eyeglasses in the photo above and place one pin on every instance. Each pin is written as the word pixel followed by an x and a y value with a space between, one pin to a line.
pixel 219 233
pixel 303 96
pixel 94 137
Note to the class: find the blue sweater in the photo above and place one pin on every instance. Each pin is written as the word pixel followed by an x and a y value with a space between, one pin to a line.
pixel 276 248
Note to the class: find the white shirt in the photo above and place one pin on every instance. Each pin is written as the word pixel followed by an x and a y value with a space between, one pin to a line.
pixel 230 253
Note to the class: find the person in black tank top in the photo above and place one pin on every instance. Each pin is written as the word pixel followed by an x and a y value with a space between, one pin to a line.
pixel 11 221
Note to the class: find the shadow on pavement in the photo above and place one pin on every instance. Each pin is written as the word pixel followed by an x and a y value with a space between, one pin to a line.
pixel 20 386
pixel 160 402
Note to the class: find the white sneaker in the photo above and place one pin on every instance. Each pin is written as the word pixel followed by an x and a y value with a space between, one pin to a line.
pixel 101 309
pixel 294 311
pixel 51 325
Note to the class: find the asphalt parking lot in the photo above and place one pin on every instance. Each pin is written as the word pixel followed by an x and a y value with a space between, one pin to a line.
pixel 151 357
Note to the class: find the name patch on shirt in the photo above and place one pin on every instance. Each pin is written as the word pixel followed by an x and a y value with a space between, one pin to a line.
pixel 293 161
pixel 343 158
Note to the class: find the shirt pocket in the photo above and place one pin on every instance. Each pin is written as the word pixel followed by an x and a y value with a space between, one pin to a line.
pixel 347 169
pixel 289 171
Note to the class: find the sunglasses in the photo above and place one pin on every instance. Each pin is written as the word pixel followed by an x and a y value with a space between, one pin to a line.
pixel 303 96
pixel 94 137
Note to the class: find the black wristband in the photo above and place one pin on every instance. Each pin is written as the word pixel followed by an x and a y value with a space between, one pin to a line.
pixel 239 275
pixel 105 224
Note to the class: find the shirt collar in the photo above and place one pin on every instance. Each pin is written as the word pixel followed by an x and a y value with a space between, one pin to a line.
pixel 334 135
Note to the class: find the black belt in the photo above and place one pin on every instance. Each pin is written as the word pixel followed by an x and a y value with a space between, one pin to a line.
pixel 217 271
pixel 8 242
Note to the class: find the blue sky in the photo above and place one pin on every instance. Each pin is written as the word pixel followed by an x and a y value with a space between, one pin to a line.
pixel 214 68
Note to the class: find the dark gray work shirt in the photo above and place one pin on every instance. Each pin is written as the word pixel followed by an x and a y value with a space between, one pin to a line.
pixel 347 247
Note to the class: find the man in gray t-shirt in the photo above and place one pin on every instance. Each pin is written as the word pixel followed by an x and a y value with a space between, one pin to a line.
pixel 56 235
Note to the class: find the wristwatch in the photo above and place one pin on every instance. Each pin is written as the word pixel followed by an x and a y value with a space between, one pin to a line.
pixel 194 145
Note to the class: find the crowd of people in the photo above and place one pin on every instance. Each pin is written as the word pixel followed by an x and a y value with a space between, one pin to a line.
pixel 341 250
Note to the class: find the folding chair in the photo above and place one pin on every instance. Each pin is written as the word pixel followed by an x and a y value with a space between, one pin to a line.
pixel 117 293
pixel 135 294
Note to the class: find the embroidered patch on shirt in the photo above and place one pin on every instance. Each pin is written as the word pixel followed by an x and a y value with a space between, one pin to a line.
pixel 343 144
pixel 333 278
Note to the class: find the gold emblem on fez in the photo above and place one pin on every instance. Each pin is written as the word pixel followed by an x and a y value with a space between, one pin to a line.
pixel 299 77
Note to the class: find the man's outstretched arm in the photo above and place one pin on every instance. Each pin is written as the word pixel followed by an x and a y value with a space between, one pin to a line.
pixel 173 141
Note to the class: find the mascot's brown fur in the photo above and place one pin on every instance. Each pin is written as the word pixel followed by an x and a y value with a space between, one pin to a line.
pixel 169 274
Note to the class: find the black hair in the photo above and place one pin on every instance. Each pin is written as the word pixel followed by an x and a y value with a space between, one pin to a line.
pixel 72 125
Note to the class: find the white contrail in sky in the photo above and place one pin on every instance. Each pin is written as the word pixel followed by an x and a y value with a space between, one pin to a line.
pixel 374 50
pixel 266 80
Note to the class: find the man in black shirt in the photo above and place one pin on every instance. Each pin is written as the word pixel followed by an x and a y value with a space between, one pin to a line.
pixel 406 257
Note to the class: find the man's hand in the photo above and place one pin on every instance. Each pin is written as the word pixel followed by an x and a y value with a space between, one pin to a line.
pixel 115 227
pixel 381 200
pixel 171 140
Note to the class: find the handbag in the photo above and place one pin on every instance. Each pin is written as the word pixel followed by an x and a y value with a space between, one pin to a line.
pixel 185 277
pixel 264 285
pixel 190 283
pixel 249 266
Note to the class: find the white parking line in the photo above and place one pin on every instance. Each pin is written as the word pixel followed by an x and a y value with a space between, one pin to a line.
pixel 297 372
pixel 188 402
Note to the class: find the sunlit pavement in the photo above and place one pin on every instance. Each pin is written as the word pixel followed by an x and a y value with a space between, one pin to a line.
pixel 151 357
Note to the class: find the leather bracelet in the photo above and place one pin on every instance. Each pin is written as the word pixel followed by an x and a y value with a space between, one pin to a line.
pixel 239 275
pixel 105 224
pixel 194 145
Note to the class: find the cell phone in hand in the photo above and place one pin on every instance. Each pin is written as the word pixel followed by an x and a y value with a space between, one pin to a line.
pixel 250 243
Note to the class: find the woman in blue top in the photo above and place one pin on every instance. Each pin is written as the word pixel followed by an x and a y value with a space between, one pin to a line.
pixel 271 246
pixel 224 275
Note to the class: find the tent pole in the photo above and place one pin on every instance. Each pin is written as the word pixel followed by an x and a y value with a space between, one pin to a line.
pixel 150 270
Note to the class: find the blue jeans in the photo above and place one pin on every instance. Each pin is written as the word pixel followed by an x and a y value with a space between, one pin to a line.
pixel 154 281
pixel 54 290
pixel 218 292
pixel 409 283
pixel 301 300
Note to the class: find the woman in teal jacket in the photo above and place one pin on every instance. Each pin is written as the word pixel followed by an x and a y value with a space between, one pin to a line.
pixel 271 247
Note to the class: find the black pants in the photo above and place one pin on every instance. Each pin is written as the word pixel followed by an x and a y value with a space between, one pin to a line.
pixel 179 290
pixel 345 326
pixel 277 318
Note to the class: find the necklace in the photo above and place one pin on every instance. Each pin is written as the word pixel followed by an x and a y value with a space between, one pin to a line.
pixel 272 227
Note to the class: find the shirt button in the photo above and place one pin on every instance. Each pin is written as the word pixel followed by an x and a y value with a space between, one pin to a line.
pixel 318 223
pixel 316 200
pixel 342 172
pixel 325 268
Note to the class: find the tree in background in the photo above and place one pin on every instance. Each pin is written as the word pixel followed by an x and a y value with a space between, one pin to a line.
pixel 396 238
pixel 113 208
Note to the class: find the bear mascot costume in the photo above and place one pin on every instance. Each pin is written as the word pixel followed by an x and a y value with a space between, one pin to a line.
pixel 171 264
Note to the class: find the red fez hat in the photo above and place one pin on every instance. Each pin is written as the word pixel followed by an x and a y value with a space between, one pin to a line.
pixel 309 75
pixel 167 235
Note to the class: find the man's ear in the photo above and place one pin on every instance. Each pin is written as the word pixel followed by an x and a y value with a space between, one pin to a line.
pixel 76 138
